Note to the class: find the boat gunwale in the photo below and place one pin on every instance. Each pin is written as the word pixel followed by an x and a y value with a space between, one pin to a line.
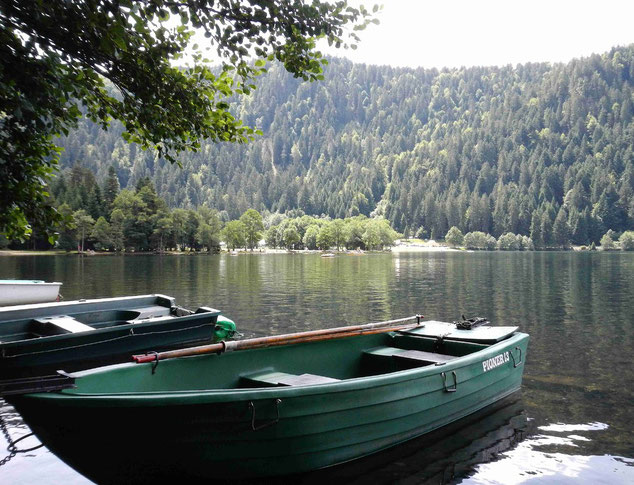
pixel 31 282
pixel 80 303
pixel 200 396
pixel 145 323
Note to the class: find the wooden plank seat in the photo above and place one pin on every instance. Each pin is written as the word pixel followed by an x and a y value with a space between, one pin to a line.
pixel 418 356
pixel 62 324
pixel 152 311
pixel 284 379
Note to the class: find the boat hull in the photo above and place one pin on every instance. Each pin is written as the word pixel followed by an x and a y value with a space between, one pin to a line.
pixel 21 292
pixel 242 433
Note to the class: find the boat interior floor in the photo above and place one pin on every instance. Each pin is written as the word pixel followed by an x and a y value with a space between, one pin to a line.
pixel 376 360
pixel 309 364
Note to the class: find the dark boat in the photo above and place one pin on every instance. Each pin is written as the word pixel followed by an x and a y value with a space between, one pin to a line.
pixel 42 338
pixel 275 405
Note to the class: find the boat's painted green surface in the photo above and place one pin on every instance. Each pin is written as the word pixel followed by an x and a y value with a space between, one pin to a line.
pixel 223 415
pixel 43 338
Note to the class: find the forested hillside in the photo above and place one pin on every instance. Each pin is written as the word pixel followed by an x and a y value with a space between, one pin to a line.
pixel 492 149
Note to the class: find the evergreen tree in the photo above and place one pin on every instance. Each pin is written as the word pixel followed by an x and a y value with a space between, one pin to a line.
pixel 95 206
pixel 561 231
pixel 546 229
pixel 111 189
pixel 67 238
pixel 536 230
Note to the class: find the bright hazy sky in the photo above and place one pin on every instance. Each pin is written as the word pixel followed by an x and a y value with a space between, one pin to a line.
pixel 454 33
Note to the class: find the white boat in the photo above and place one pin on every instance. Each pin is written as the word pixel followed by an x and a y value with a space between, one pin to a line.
pixel 21 292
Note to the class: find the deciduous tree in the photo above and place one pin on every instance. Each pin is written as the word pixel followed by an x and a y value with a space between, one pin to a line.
pixel 234 234
pixel 56 58
pixel 83 222
pixel 291 237
pixel 607 241
pixel 454 237
pixel 310 236
pixel 101 234
pixel 253 227
pixel 627 241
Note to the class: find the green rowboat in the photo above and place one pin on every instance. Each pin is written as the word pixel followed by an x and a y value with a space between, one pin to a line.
pixel 275 405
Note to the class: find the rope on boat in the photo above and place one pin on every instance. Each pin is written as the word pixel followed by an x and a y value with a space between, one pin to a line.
pixel 12 445
pixel 114 339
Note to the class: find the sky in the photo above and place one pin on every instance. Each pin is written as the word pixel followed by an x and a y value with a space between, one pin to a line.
pixel 454 33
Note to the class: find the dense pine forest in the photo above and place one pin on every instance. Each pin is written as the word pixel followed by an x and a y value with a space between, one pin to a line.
pixel 532 150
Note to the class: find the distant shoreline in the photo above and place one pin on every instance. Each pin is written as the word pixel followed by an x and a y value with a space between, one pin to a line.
pixel 395 249
pixel 415 247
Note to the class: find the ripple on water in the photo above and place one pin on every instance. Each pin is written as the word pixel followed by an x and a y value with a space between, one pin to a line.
pixel 531 461
pixel 566 428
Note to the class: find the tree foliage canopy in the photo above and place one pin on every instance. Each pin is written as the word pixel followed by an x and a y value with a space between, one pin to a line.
pixel 57 56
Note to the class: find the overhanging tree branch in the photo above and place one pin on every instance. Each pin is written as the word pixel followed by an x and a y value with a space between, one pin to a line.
pixel 55 56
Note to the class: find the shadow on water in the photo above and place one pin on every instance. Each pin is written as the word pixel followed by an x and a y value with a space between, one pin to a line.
pixel 38 465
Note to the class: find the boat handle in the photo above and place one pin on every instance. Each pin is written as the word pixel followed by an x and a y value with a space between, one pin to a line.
pixel 255 427
pixel 515 364
pixel 455 382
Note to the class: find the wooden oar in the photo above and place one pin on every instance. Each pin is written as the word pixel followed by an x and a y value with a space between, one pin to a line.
pixel 291 338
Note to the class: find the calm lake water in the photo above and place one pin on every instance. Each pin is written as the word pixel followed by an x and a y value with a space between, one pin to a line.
pixel 572 422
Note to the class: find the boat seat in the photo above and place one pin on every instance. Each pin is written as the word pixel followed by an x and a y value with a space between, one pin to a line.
pixel 62 324
pixel 410 355
pixel 284 379
pixel 152 312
